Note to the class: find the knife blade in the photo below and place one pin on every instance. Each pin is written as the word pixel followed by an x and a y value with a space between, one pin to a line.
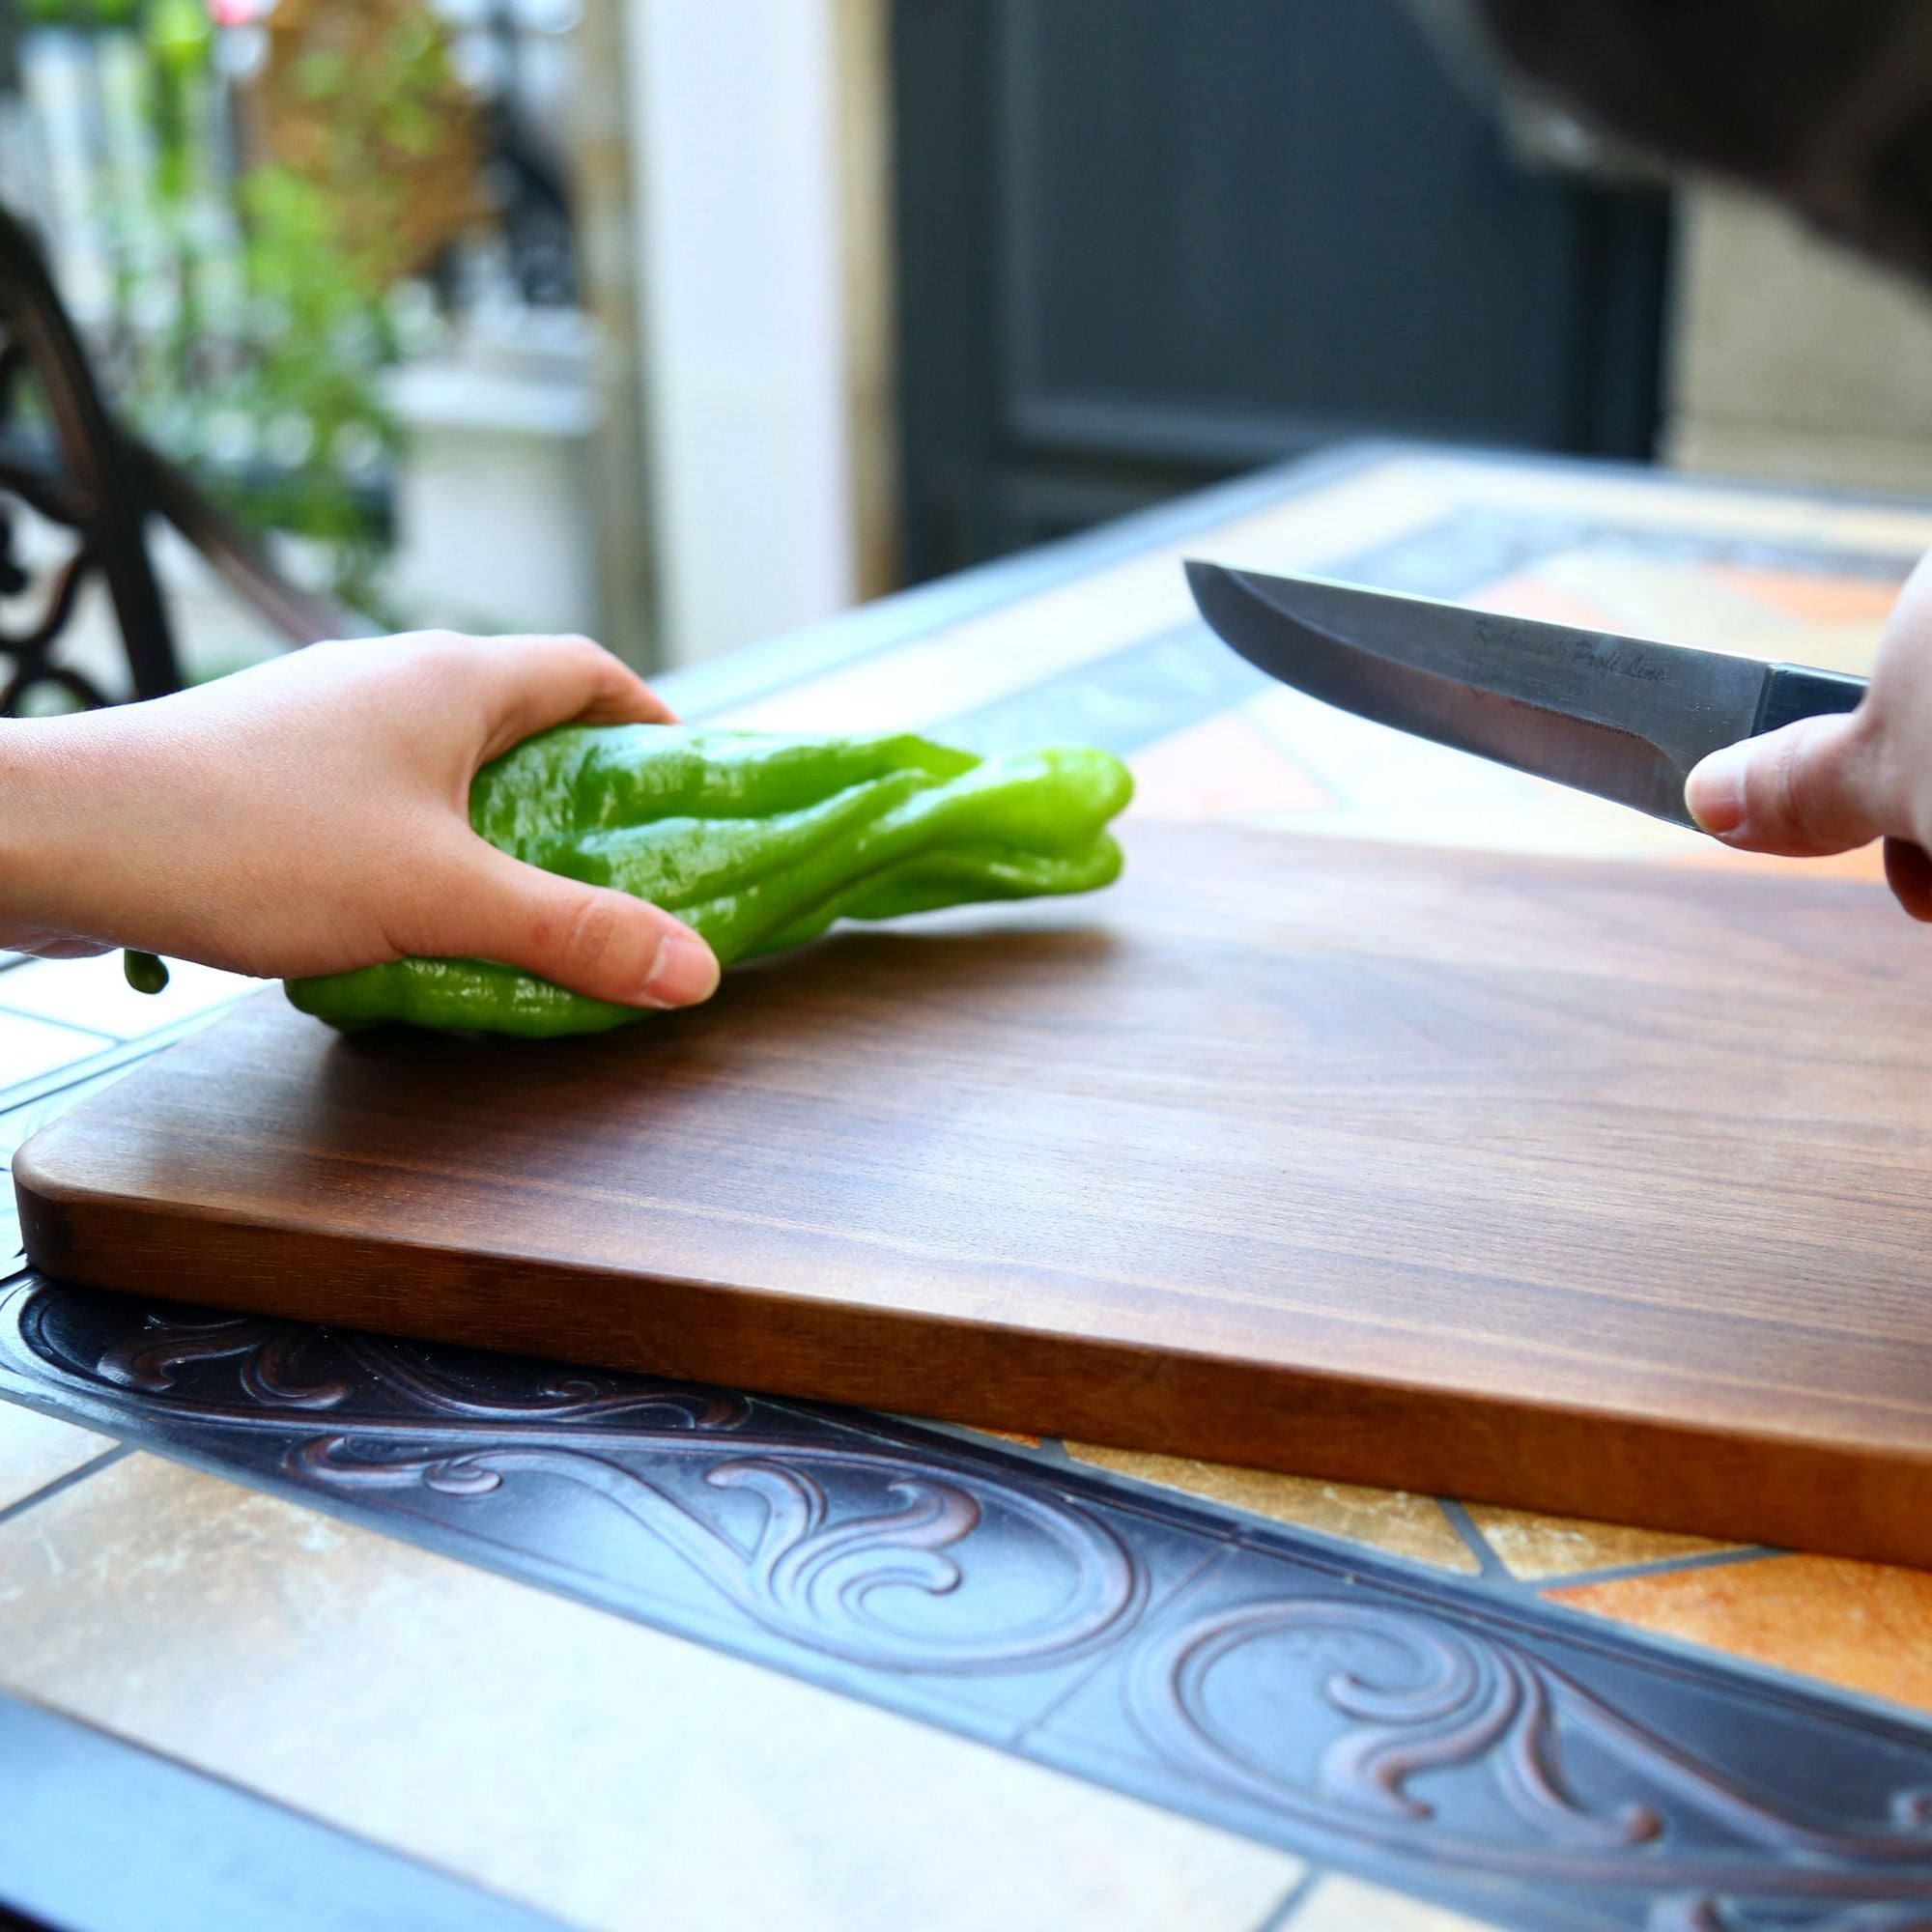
pixel 1624 718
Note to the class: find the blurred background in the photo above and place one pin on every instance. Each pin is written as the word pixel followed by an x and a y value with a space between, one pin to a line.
pixel 689 322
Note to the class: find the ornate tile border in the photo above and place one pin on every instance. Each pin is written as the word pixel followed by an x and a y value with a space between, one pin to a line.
pixel 1490 1753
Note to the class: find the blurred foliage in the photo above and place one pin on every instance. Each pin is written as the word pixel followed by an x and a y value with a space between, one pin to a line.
pixel 275 399
pixel 399 159
pixel 257 312
pixel 82 13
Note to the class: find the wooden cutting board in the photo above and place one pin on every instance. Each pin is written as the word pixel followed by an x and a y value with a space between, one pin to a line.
pixel 1592 1189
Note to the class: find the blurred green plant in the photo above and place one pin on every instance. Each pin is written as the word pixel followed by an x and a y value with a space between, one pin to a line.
pixel 255 316
pixel 277 399
pixel 81 13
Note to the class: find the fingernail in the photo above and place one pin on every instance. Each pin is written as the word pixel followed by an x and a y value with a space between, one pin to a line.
pixel 684 972
pixel 1716 790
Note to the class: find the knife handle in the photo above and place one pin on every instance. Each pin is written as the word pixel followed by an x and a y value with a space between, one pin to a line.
pixel 1792 691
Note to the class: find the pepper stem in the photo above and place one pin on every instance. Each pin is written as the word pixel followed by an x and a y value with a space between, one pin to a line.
pixel 145 973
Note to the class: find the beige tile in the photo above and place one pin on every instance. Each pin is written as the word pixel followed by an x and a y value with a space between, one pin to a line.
pixel 945 672
pixel 29 1049
pixel 1681 505
pixel 96 993
pixel 1532 1547
pixel 18 1125
pixel 1224 767
pixel 1388 1520
pixel 1016 645
pixel 603 1771
pixel 1338 1904
pixel 1358 762
pixel 35 1450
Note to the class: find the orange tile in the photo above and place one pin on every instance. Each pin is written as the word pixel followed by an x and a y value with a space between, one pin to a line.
pixel 1864 1626
pixel 1225 767
pixel 1657 595
pixel 1811 597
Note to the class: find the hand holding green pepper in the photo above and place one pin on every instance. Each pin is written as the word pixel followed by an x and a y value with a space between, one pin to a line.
pixel 311 820
pixel 312 814
pixel 756 842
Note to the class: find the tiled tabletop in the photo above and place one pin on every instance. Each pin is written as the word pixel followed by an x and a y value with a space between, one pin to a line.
pixel 621 1731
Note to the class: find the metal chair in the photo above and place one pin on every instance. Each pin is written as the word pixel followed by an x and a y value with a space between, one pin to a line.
pixel 89 476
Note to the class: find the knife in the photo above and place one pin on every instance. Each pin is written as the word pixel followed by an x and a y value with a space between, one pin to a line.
pixel 1621 716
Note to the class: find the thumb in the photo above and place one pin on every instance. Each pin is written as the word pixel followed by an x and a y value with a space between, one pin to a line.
pixel 606 945
pixel 1800 792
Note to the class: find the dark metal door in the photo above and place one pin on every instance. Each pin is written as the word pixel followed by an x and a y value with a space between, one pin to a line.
pixel 1145 243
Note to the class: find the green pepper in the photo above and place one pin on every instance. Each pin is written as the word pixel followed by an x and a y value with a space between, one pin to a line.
pixel 756 841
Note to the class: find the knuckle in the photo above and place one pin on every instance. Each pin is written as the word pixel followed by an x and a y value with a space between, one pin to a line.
pixel 446 649
pixel 590 934
pixel 440 666
pixel 334 660
pixel 1787 793
pixel 587 658
pixel 1788 805
pixel 430 648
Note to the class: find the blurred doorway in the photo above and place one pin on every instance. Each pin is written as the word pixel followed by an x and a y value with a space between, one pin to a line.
pixel 1146 243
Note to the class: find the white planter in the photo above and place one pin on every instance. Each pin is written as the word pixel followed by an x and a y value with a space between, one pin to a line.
pixel 494 523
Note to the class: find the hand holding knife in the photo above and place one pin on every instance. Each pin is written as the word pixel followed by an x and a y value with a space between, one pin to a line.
pixel 1625 718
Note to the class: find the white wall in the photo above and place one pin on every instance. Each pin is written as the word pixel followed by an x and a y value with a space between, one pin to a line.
pixel 739 260
pixel 1793 360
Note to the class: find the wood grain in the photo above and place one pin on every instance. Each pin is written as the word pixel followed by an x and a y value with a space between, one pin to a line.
pixel 1583 1188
